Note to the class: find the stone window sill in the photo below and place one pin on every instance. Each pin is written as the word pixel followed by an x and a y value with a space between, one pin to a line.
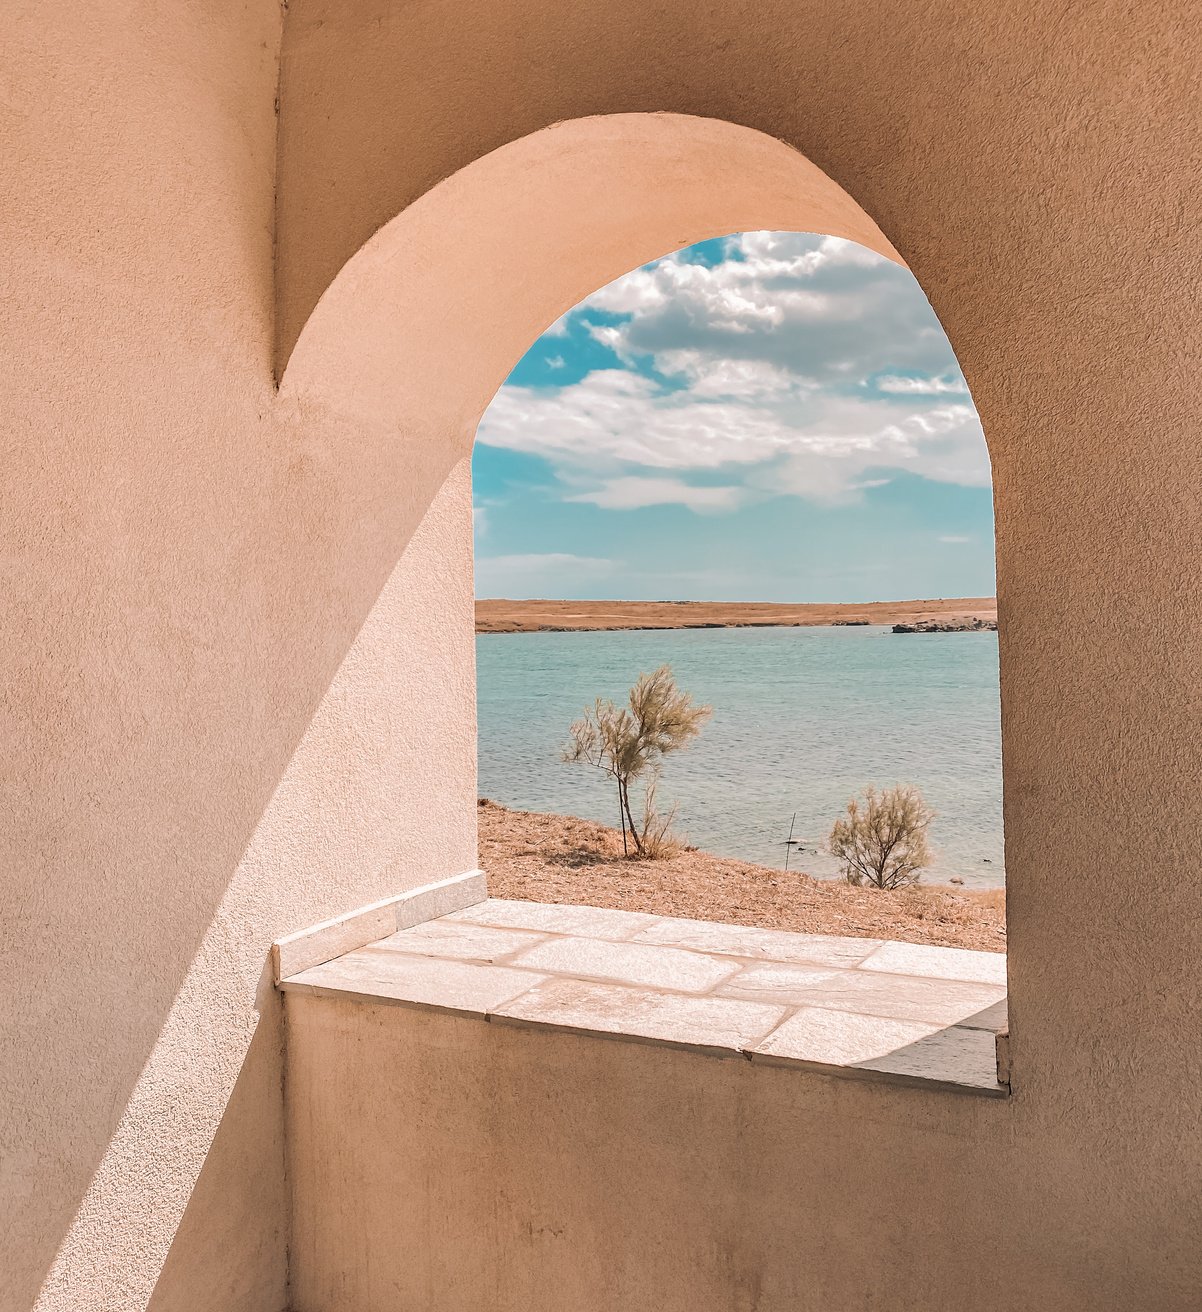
pixel 855 1008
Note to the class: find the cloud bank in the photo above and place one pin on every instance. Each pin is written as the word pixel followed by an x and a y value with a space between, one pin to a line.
pixel 796 365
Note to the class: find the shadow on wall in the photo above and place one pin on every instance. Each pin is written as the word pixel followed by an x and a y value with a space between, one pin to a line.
pixel 237 1188
pixel 217 809
pixel 252 607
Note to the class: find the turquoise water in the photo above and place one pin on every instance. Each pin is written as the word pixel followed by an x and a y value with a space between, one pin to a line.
pixel 803 718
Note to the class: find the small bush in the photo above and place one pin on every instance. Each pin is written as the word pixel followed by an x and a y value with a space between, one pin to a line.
pixel 656 841
pixel 882 840
pixel 628 744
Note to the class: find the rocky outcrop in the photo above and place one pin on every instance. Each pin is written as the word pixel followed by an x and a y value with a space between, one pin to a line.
pixel 964 624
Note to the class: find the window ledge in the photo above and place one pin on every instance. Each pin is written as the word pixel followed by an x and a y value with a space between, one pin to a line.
pixel 856 1008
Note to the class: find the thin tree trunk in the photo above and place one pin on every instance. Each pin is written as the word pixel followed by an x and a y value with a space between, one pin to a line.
pixel 622 817
pixel 634 833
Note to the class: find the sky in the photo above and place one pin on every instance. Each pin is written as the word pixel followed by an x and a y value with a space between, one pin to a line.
pixel 763 417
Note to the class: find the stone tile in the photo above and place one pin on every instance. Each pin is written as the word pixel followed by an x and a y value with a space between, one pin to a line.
pixel 789 984
pixel 432 900
pixel 939 963
pixel 704 1022
pixel 996 1019
pixel 554 918
pixel 841 1038
pixel 457 940
pixel 899 1049
pixel 355 929
pixel 900 997
pixel 628 963
pixel 389 976
pixel 767 944
pixel 1002 1047
pixel 882 1010
pixel 965 1058
pixel 332 938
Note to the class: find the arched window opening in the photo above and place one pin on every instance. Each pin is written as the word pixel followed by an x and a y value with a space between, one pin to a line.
pixel 731 413
pixel 755 462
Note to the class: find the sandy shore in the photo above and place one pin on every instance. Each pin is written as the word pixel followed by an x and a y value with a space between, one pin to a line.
pixel 553 858
pixel 497 615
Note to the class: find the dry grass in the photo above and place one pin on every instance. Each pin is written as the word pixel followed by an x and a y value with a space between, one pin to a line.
pixel 499 615
pixel 554 858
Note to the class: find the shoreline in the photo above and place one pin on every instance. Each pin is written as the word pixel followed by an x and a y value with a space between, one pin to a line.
pixel 502 615
pixel 537 856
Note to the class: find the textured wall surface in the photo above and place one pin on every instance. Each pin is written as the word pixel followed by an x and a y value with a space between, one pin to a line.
pixel 237 691
pixel 1037 167
pixel 444 1163
pixel 237 656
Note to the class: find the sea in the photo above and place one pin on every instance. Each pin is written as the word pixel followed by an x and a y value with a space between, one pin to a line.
pixel 803 718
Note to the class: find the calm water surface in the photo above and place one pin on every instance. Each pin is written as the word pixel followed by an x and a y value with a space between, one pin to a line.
pixel 803 718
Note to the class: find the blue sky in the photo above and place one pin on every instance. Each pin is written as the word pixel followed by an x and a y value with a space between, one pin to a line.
pixel 765 417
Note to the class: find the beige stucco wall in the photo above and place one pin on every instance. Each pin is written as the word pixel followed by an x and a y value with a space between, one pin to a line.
pixel 443 1163
pixel 237 657
pixel 1036 166
pixel 237 687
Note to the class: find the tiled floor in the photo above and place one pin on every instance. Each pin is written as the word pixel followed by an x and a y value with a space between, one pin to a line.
pixel 875 1009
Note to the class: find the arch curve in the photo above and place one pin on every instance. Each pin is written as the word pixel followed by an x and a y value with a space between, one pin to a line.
pixel 422 325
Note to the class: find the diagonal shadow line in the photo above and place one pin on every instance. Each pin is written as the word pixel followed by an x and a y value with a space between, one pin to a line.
pixel 126 1011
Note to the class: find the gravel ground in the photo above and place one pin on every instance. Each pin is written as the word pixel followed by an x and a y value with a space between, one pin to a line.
pixel 537 857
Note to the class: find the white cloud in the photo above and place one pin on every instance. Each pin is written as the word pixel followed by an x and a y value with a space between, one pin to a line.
pixel 611 336
pixel 555 362
pixel 632 492
pixel 479 520
pixel 902 386
pixel 740 379
pixel 546 560
pixel 537 574
pixel 634 293
pixel 801 364
pixel 821 308
pixel 613 417
pixel 613 425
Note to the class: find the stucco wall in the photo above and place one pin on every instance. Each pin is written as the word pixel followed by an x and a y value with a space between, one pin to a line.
pixel 1036 166
pixel 444 1163
pixel 237 689
pixel 238 662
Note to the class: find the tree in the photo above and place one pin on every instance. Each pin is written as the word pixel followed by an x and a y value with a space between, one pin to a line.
pixel 882 840
pixel 630 742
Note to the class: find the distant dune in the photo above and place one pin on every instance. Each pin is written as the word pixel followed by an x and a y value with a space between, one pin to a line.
pixel 497 615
